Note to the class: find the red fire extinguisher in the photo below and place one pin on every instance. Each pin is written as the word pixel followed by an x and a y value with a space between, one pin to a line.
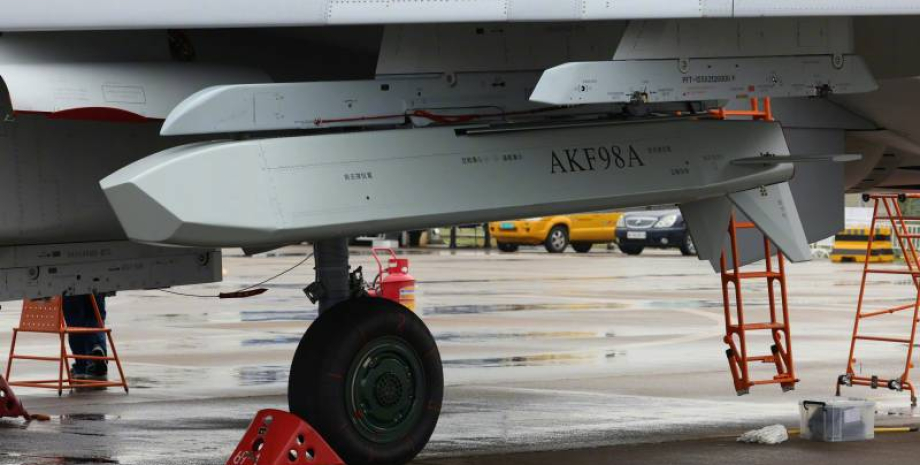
pixel 393 283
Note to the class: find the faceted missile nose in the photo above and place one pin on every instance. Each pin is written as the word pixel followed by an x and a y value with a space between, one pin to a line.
pixel 143 218
pixel 210 194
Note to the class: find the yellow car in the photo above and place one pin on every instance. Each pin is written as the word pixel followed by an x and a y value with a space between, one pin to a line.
pixel 557 232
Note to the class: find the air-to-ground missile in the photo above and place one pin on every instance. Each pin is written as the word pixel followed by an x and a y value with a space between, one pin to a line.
pixel 274 191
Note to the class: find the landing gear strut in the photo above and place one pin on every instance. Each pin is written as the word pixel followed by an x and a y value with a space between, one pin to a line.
pixel 332 283
pixel 367 374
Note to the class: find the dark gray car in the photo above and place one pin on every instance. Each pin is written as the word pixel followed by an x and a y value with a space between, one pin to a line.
pixel 654 228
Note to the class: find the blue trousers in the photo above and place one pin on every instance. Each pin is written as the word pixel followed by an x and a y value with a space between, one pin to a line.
pixel 78 312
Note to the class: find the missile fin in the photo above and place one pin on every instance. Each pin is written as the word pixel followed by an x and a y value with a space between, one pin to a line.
pixel 772 209
pixel 708 220
pixel 250 251
pixel 775 160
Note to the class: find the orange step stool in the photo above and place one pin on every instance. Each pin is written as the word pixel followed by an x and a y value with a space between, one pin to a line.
pixel 46 316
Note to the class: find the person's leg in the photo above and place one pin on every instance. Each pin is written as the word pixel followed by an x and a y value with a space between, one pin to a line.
pixel 74 308
pixel 98 370
pixel 99 339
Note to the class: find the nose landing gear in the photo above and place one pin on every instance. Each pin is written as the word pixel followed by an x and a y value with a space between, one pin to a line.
pixel 367 375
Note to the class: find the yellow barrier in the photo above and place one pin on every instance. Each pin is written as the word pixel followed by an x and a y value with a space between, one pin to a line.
pixel 850 246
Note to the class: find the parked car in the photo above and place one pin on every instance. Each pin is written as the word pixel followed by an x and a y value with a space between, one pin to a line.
pixel 582 231
pixel 404 239
pixel 654 228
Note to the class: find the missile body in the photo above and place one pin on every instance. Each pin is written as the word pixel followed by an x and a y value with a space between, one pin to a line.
pixel 285 190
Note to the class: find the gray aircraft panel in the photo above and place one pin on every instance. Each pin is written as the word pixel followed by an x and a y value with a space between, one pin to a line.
pixel 149 90
pixel 161 14
pixel 46 270
pixel 49 174
pixel 702 79
pixel 312 105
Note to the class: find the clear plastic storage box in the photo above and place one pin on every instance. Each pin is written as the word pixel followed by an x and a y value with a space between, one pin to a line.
pixel 838 420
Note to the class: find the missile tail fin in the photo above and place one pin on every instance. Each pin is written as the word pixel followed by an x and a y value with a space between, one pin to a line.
pixel 707 221
pixel 772 208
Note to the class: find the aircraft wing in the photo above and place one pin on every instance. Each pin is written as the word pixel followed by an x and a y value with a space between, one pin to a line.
pixel 146 14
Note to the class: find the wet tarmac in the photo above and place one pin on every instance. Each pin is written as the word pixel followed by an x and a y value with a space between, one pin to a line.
pixel 598 353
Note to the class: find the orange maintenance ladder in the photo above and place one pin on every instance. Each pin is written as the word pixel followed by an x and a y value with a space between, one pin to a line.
pixel 736 326
pixel 900 226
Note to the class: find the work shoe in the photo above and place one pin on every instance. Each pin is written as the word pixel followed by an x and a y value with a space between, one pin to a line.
pixel 98 351
pixel 97 370
pixel 78 371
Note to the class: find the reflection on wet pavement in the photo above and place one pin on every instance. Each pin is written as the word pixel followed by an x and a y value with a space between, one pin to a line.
pixel 587 357
pixel 64 460
pixel 175 433
pixel 250 376
pixel 684 303
pixel 486 336
pixel 541 352
pixel 474 309
pixel 278 315
pixel 457 337
pixel 74 417
pixel 295 339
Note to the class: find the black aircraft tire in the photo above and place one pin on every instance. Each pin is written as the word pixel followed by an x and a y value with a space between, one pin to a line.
pixel 367 376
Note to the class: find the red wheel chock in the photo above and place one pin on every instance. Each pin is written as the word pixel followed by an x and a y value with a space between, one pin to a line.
pixel 276 437
pixel 10 406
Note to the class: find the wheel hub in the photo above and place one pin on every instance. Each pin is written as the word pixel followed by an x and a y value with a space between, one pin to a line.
pixel 388 390
pixel 385 385
pixel 558 239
